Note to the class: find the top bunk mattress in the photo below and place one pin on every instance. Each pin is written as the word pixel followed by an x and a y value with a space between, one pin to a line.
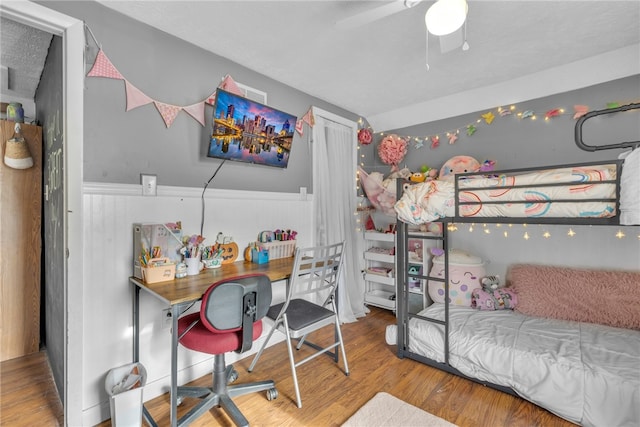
pixel 576 191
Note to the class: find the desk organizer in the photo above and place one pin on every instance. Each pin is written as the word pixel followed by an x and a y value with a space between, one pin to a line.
pixel 259 256
pixel 163 270
pixel 279 249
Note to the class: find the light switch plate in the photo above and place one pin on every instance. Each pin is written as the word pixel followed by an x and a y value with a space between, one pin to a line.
pixel 148 185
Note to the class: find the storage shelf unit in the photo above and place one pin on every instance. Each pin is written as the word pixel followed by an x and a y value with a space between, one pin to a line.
pixel 380 288
pixel 419 245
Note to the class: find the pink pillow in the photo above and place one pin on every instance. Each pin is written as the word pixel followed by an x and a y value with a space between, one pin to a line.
pixel 595 296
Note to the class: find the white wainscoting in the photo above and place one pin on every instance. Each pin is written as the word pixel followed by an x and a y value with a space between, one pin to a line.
pixel 109 210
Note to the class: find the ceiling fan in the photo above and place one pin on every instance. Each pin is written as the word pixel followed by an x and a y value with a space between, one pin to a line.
pixel 376 13
pixel 445 19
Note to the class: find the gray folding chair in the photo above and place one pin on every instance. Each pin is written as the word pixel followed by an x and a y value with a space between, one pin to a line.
pixel 310 305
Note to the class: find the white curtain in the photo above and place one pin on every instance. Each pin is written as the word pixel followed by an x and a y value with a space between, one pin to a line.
pixel 335 197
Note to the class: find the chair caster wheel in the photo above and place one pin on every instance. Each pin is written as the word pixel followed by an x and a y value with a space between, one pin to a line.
pixel 233 375
pixel 272 394
pixel 179 401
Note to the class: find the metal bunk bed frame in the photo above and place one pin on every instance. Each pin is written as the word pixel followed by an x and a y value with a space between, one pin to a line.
pixel 404 234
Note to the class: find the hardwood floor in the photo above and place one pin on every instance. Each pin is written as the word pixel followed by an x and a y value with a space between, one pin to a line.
pixel 328 396
pixel 28 395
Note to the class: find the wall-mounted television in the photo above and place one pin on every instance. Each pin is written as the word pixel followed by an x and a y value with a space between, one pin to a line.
pixel 246 131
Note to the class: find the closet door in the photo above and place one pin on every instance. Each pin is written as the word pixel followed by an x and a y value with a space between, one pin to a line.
pixel 20 245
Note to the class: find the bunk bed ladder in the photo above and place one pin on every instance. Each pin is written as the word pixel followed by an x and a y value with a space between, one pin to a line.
pixel 402 285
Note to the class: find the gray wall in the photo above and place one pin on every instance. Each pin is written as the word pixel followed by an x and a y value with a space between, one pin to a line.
pixel 120 145
pixel 514 142
pixel 49 112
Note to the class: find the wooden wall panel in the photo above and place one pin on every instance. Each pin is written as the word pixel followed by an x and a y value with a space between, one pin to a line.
pixel 109 211
pixel 20 246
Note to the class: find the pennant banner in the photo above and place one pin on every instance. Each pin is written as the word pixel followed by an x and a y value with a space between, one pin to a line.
pixel 196 111
pixel 102 67
pixel 230 85
pixel 168 112
pixel 309 119
pixel 135 97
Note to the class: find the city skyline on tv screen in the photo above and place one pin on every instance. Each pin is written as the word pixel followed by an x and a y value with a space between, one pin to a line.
pixel 247 131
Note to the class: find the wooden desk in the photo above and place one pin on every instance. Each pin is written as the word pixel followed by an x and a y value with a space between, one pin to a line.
pixel 180 293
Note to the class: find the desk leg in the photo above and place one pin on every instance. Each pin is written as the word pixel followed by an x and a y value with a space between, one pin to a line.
pixel 175 312
pixel 136 346
pixel 136 323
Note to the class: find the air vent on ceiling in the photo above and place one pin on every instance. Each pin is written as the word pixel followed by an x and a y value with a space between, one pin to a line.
pixel 253 94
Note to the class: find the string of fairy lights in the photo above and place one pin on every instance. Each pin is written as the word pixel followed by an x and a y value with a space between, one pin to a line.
pixel 468 130
pixel 527 231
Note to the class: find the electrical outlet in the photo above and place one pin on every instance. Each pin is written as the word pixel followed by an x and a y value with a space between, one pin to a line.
pixel 148 185
pixel 166 318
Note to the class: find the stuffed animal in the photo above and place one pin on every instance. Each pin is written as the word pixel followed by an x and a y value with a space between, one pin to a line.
pixel 389 183
pixel 488 166
pixel 492 296
pixel 456 165
pixel 426 174
pixel 490 283
pixel 417 177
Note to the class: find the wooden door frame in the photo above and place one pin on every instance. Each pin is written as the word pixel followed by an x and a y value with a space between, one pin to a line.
pixel 72 32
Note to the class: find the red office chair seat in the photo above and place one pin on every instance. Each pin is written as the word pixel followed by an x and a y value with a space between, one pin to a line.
pixel 200 338
pixel 229 320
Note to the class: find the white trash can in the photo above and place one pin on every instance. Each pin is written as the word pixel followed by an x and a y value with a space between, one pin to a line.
pixel 124 386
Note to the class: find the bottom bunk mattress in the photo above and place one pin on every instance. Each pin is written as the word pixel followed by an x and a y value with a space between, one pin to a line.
pixel 586 373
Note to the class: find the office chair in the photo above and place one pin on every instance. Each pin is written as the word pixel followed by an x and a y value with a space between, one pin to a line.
pixel 229 320
pixel 312 287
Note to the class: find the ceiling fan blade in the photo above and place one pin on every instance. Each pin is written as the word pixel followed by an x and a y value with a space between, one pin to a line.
pixel 372 15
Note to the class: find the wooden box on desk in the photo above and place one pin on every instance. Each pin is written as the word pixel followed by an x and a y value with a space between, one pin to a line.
pixel 159 270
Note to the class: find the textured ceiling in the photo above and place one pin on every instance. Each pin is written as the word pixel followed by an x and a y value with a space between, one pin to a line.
pixel 518 50
pixel 379 67
pixel 23 51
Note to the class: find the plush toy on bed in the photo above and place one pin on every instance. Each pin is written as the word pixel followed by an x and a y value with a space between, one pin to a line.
pixel 492 296
pixel 426 174
pixel 490 283
pixel 458 164
pixel 381 191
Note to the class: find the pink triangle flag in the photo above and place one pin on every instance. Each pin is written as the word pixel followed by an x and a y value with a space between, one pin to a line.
pixel 230 85
pixel 102 67
pixel 196 111
pixel 168 112
pixel 211 99
pixel 300 126
pixel 135 97
pixel 308 118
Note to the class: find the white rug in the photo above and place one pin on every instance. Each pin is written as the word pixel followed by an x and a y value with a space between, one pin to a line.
pixel 385 410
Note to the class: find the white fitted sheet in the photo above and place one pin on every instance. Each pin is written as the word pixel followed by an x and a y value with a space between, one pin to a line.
pixel 586 373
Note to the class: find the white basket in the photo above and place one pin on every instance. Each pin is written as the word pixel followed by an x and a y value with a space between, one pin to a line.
pixel 279 249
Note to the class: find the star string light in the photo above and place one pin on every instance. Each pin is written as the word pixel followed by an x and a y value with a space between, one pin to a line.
pixel 489 117
pixel 452 136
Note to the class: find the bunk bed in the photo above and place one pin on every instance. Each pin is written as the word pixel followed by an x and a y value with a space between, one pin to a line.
pixel 587 373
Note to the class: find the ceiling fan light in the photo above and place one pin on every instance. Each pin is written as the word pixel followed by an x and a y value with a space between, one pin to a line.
pixel 410 3
pixel 446 16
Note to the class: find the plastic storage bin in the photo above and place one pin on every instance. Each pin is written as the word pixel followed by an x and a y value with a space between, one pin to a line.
pixel 279 249
pixel 124 386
